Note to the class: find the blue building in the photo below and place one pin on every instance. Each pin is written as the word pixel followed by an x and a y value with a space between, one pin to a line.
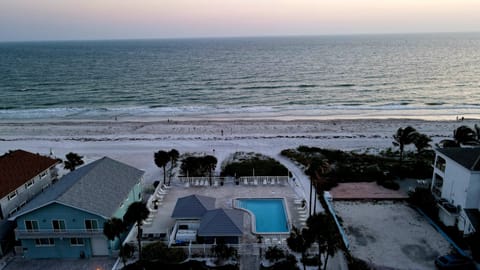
pixel 66 221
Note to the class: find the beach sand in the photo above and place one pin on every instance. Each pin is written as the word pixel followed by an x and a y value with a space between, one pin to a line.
pixel 134 142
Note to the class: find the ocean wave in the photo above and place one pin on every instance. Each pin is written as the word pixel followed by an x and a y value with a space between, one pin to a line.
pixel 307 85
pixel 264 87
pixel 342 85
pixel 434 103
pixel 287 111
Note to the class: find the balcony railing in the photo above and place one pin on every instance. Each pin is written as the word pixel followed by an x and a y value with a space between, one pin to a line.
pixel 54 233
pixel 448 208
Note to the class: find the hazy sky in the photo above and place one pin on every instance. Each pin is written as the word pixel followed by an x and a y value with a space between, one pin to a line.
pixel 113 19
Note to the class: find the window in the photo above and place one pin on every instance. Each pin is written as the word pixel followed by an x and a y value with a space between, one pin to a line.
pixel 58 225
pixel 440 164
pixel 77 242
pixel 12 212
pixel 91 224
pixel 22 204
pixel 437 185
pixel 45 186
pixel 12 195
pixel 31 225
pixel 43 174
pixel 29 184
pixel 45 242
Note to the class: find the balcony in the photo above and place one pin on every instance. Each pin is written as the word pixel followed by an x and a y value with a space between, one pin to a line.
pixel 448 208
pixel 51 233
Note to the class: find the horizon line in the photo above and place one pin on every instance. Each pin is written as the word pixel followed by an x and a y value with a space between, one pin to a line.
pixel 239 36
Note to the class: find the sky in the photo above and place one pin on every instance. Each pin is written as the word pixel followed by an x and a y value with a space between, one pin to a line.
pixel 24 20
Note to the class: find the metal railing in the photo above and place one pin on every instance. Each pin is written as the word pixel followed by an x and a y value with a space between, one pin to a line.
pixel 54 233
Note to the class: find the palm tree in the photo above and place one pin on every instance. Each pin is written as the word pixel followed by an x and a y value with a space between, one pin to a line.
pixel 298 242
pixel 404 136
pixel 161 159
pixel 465 135
pixel 73 160
pixel 315 170
pixel 421 141
pixel 210 162
pixel 462 135
pixel 126 252
pixel 322 229
pixel 136 213
pixel 174 155
pixel 112 228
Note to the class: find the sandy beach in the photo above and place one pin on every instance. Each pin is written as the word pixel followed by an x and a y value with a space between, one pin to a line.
pixel 134 142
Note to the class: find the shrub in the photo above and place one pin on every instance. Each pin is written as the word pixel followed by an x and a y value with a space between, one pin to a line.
pixel 265 167
pixel 423 199
pixel 290 263
pixel 274 254
pixel 310 261
pixel 160 252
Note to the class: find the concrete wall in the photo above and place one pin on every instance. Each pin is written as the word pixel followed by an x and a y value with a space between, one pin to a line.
pixel 456 181
pixel 473 192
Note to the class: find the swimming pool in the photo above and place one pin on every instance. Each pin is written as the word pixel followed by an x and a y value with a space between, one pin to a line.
pixel 268 215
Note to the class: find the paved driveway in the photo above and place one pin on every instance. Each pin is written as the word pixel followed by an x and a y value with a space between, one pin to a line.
pixel 97 263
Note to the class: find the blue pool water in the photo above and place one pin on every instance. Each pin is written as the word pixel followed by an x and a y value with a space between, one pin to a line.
pixel 270 214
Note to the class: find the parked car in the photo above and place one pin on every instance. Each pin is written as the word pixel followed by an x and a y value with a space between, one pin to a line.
pixel 453 261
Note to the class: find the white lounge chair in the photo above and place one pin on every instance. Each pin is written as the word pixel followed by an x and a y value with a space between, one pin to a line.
pixel 162 191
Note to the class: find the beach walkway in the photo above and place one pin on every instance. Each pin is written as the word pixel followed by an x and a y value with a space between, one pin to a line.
pixel 302 181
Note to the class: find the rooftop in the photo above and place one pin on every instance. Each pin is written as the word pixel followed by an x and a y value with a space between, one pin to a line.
pixel 467 157
pixel 221 222
pixel 18 167
pixel 193 206
pixel 99 187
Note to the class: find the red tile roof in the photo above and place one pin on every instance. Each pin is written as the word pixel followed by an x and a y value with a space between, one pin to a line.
pixel 17 167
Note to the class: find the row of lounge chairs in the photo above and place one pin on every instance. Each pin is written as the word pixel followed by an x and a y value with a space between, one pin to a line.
pixel 265 181
pixel 155 201
pixel 274 241
pixel 202 183
pixel 302 211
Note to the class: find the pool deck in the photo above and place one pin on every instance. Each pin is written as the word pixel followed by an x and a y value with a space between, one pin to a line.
pixel 162 221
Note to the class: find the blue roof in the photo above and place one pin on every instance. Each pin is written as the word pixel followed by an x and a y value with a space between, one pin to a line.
pixel 98 187
pixel 222 222
pixel 193 206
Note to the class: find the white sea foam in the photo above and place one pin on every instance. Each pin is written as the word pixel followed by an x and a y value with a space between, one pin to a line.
pixel 427 112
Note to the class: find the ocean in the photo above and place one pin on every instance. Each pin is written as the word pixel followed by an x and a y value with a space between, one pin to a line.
pixel 425 76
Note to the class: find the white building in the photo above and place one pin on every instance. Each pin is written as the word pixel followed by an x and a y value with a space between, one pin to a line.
pixel 456 184
pixel 22 176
